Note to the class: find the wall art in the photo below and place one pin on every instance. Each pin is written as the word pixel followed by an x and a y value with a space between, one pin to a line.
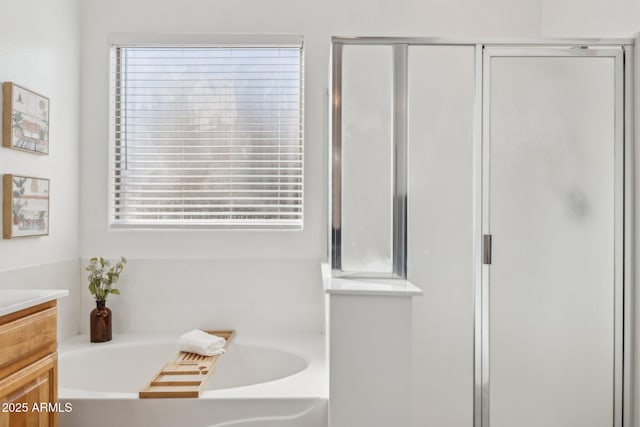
pixel 25 123
pixel 25 206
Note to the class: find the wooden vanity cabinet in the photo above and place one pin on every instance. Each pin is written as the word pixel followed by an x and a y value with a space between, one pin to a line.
pixel 29 367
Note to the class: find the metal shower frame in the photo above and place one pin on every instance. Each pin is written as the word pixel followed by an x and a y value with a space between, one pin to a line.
pixel 624 190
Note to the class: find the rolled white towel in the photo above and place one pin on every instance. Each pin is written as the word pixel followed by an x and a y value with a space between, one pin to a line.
pixel 201 343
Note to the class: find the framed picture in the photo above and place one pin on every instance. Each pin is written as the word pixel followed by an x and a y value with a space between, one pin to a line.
pixel 25 121
pixel 25 206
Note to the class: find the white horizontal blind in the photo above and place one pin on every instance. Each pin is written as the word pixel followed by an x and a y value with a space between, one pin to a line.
pixel 207 136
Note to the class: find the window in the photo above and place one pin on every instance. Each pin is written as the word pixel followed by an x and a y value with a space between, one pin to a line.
pixel 207 136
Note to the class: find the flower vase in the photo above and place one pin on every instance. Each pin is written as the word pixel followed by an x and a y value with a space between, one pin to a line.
pixel 100 322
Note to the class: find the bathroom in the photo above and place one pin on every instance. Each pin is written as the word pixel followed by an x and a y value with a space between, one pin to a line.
pixel 258 282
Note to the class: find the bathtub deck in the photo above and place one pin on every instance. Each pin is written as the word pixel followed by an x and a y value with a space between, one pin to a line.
pixel 186 376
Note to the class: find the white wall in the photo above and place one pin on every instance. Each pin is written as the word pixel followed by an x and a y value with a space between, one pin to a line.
pixel 39 49
pixel 54 275
pixel 590 18
pixel 252 296
pixel 224 279
pixel 175 275
pixel 317 21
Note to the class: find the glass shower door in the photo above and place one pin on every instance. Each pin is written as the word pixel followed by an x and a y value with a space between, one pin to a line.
pixel 552 166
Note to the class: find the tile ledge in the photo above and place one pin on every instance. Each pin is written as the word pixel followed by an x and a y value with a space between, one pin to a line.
pixel 368 287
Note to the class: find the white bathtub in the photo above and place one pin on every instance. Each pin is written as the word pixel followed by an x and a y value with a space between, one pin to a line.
pixel 259 382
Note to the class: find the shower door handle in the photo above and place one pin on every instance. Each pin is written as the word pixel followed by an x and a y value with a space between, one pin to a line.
pixel 486 249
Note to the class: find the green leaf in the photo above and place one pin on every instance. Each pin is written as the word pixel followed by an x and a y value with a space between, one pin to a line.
pixel 102 276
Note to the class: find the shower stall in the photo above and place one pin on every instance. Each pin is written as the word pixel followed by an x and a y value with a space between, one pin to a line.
pixel 531 141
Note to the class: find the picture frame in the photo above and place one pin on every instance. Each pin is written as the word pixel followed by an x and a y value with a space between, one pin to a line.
pixel 25 119
pixel 25 209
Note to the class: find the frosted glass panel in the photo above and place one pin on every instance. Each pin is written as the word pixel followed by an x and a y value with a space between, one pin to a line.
pixel 367 90
pixel 551 210
pixel 439 231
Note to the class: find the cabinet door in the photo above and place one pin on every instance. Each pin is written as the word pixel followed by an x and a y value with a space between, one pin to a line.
pixel 23 393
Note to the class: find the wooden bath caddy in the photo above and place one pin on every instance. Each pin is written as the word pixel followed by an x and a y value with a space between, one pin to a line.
pixel 186 375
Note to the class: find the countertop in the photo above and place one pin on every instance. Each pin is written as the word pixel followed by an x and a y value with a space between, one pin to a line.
pixel 12 300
